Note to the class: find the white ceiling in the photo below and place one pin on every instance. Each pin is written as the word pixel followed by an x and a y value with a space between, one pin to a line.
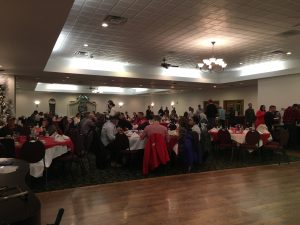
pixel 245 31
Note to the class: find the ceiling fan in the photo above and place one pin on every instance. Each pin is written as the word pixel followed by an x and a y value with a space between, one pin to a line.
pixel 166 65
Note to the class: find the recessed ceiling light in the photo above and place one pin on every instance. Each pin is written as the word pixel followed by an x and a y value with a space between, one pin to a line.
pixel 0 66
pixel 241 63
pixel 67 77
pixel 85 45
pixel 104 25
pixel 289 53
pixel 141 85
pixel 63 80
pixel 214 86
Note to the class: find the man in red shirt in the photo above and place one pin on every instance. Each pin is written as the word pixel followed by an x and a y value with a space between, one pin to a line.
pixel 290 118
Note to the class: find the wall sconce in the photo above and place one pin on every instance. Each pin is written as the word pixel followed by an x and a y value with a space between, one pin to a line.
pixel 152 104
pixel 172 103
pixel 37 102
pixel 121 104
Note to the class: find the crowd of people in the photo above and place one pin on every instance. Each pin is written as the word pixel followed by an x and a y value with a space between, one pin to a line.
pixel 112 124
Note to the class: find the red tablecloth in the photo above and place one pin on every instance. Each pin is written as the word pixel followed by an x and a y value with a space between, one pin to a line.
pixel 173 140
pixel 164 124
pixel 47 141
pixel 214 135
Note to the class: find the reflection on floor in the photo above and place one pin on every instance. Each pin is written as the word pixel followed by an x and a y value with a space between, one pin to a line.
pixel 254 195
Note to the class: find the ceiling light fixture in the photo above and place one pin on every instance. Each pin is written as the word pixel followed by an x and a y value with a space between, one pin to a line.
pixel 85 45
pixel 212 64
pixel 289 53
pixel 104 25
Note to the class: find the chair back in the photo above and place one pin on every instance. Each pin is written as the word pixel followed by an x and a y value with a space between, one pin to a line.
pixel 284 137
pixel 8 148
pixel 32 151
pixel 122 142
pixel 224 136
pixel 252 137
pixel 155 152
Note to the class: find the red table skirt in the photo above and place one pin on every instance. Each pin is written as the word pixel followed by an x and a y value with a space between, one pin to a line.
pixel 264 137
pixel 173 140
pixel 47 141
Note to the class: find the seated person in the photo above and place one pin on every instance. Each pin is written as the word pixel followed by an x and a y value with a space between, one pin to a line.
pixel 11 128
pixel 48 126
pixel 124 123
pixel 172 125
pixel 142 122
pixel 108 137
pixel 155 128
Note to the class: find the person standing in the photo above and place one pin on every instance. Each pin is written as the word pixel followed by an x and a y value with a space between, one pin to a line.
pixel 211 113
pixel 111 108
pixel 270 118
pixel 249 115
pixel 221 114
pixel 260 116
pixel 290 118
pixel 161 111
pixel 149 113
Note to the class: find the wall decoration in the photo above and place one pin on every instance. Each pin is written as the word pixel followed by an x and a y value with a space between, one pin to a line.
pixel 6 105
pixel 82 105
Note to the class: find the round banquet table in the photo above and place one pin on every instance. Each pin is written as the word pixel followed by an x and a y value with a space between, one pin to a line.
pixel 54 148
pixel 239 137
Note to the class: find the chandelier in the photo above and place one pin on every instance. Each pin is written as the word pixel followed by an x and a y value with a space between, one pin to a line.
pixel 212 64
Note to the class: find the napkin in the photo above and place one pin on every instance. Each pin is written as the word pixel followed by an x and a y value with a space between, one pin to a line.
pixel 262 128
pixel 214 130
pixel 129 133
pixel 135 135
pixel 59 137
pixel 173 132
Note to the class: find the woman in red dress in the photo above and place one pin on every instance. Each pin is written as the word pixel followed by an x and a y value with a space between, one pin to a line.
pixel 260 116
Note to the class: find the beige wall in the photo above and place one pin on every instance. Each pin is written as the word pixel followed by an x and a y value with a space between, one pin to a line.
pixel 196 97
pixel 25 100
pixel 280 91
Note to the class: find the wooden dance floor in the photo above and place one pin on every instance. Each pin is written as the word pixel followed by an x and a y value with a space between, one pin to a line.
pixel 257 195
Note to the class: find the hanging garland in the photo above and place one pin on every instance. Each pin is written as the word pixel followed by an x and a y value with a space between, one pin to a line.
pixel 5 105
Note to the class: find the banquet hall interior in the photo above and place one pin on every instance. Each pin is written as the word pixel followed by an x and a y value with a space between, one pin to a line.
pixel 99 60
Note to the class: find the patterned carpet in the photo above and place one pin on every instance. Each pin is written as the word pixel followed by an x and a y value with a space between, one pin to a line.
pixel 62 177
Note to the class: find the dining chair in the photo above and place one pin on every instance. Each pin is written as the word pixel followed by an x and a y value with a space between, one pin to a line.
pixel 225 142
pixel 155 153
pixel 58 217
pixel 279 144
pixel 251 142
pixel 8 148
pixel 33 151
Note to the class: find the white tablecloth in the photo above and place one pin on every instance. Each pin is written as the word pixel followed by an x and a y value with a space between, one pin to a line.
pixel 37 169
pixel 136 143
